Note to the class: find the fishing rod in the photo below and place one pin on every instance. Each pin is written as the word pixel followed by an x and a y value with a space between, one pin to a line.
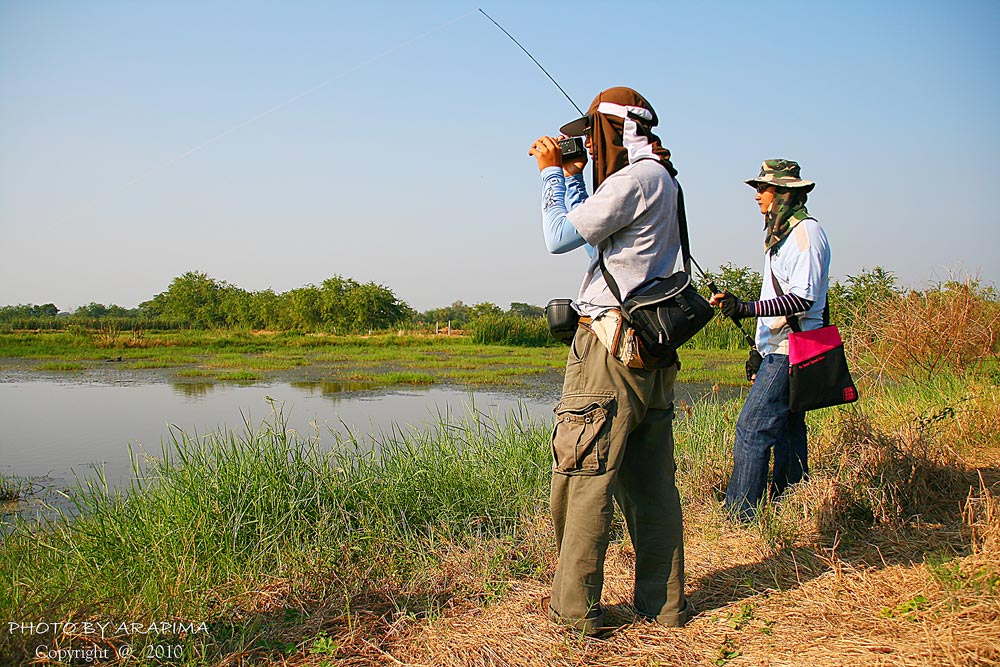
pixel 579 110
pixel 716 290
pixel 572 147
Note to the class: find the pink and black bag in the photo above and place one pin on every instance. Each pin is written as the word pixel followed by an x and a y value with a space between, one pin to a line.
pixel 818 376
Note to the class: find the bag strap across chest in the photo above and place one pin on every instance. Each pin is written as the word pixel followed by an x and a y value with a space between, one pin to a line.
pixel 793 320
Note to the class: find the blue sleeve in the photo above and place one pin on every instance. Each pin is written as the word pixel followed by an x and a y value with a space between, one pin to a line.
pixel 560 235
pixel 576 191
pixel 576 194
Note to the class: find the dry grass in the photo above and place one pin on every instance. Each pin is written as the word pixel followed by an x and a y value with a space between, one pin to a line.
pixel 870 601
pixel 954 326
pixel 888 555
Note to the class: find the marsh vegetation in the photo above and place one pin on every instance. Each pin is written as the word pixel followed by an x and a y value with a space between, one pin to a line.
pixel 433 547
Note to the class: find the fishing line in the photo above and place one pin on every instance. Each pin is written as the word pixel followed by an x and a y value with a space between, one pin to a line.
pixel 534 61
pixel 294 98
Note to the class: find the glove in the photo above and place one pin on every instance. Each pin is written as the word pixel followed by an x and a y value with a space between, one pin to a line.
pixel 753 363
pixel 733 308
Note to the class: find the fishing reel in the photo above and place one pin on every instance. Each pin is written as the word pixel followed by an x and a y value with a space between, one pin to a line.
pixel 572 148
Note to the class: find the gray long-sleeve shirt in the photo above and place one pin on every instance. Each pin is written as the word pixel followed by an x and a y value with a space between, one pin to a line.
pixel 632 219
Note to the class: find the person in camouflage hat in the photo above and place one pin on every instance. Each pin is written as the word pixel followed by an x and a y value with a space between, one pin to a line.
pixel 793 292
pixel 790 198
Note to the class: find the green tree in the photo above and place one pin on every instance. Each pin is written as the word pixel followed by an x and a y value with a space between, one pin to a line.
pixel 304 307
pixel 193 298
pixel 30 310
pixel 335 302
pixel 237 307
pixel 92 309
pixel 483 309
pixel 374 307
pixel 268 310
pixel 741 281
pixel 457 313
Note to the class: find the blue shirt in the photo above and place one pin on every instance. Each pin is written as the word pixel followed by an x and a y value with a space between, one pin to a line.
pixel 801 265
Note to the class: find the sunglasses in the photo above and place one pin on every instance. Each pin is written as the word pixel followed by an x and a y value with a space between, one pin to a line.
pixel 763 187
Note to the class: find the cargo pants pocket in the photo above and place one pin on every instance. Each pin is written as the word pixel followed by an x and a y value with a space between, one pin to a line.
pixel 581 437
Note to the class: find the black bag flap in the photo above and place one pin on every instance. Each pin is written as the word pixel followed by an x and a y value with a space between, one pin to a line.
pixel 657 290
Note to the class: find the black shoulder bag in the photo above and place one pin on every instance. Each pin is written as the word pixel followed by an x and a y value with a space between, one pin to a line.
pixel 665 312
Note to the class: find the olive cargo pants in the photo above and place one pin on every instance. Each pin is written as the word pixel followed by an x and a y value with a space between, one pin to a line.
pixel 613 441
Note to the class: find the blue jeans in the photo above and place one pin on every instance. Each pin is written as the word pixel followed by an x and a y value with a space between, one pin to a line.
pixel 766 424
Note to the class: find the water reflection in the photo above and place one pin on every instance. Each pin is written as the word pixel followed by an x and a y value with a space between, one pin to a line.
pixel 193 389
pixel 332 389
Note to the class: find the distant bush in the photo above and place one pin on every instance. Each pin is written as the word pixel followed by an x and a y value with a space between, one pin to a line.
pixel 867 292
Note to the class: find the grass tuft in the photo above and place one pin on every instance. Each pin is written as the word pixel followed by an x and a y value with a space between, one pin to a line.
pixel 67 366
pixel 13 489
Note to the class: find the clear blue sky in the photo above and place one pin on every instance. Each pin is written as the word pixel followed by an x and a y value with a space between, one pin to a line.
pixel 140 140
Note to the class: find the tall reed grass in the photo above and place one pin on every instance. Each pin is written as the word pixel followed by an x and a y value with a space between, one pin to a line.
pixel 721 334
pixel 216 519
pixel 510 330
pixel 13 488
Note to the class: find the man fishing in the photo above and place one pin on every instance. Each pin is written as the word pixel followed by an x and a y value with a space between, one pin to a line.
pixel 613 439
pixel 795 281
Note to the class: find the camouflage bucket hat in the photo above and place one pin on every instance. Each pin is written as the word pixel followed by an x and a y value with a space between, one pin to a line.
pixel 783 173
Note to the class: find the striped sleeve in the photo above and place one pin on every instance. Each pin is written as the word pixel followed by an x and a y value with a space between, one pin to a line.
pixel 786 304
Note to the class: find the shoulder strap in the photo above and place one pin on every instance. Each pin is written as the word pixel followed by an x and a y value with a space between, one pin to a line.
pixel 682 223
pixel 793 321
pixel 609 279
pixel 685 242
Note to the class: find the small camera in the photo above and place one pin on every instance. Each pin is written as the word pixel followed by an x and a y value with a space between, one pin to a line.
pixel 572 148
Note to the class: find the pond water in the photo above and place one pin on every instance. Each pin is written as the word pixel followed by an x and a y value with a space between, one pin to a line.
pixel 56 431
pixel 62 430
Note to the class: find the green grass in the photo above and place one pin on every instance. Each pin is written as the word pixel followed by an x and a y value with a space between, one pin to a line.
pixel 144 364
pixel 498 376
pixel 703 442
pixel 195 373
pixel 13 488
pixel 719 366
pixel 60 366
pixel 407 378
pixel 240 356
pixel 240 376
pixel 215 519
